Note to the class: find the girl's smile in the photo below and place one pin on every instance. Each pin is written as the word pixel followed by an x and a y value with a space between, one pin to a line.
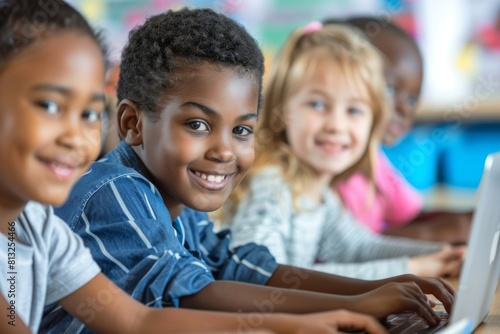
pixel 62 171
pixel 56 108
pixel 329 121
pixel 332 146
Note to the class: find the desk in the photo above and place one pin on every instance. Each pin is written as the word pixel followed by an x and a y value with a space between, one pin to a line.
pixel 490 325
pixel 449 199
pixel 488 110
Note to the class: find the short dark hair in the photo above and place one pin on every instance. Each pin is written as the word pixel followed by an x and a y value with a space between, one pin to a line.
pixel 370 26
pixel 22 22
pixel 168 41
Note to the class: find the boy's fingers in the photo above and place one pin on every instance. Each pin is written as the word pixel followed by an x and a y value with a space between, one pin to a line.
pixel 441 289
pixel 349 320
pixel 426 312
pixel 447 286
pixel 423 305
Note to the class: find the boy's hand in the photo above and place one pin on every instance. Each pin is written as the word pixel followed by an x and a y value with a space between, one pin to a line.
pixel 399 297
pixel 438 287
pixel 336 321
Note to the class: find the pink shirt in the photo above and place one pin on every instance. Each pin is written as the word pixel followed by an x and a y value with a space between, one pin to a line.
pixel 396 202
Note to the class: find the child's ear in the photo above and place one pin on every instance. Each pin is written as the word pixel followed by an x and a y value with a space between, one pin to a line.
pixel 130 122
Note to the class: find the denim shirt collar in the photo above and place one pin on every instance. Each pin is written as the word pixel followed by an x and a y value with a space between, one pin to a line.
pixel 126 155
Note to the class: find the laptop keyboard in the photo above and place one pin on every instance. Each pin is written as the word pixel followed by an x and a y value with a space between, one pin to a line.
pixel 403 323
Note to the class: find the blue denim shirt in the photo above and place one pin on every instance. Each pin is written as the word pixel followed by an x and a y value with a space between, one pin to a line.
pixel 122 218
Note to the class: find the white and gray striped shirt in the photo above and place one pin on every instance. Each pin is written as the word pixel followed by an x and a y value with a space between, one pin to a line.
pixel 323 237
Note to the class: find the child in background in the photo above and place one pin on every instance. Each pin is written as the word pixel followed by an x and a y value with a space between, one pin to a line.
pixel 109 131
pixel 190 92
pixel 396 208
pixel 324 109
pixel 51 101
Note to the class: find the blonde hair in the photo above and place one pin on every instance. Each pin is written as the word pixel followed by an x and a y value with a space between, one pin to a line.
pixel 357 58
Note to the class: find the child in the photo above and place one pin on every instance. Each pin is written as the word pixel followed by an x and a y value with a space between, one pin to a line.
pixel 324 109
pixel 189 92
pixel 109 131
pixel 396 208
pixel 51 99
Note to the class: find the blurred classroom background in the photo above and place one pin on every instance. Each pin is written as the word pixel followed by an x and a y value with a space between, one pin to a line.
pixel 458 121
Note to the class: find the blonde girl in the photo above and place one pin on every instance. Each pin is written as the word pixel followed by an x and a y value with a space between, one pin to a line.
pixel 325 107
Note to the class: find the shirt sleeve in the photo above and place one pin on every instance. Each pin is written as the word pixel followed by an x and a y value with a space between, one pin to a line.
pixel 349 249
pixel 264 217
pixel 70 263
pixel 129 232
pixel 248 262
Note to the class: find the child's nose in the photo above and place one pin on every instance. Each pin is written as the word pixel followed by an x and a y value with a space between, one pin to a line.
pixel 76 136
pixel 334 121
pixel 221 149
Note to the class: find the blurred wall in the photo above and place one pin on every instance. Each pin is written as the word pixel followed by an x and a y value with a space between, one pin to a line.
pixel 460 41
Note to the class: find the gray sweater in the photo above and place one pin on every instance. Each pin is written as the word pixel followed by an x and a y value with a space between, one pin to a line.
pixel 323 237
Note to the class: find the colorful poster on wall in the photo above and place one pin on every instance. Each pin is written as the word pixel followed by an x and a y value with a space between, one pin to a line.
pixel 453 62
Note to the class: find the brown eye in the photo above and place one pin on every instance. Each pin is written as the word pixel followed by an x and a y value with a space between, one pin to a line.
pixel 50 107
pixel 198 126
pixel 91 116
pixel 242 131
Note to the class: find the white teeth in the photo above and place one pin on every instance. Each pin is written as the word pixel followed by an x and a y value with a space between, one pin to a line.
pixel 211 178
pixel 58 165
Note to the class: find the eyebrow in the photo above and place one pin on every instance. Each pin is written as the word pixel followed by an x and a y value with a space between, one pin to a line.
pixel 361 100
pixel 352 99
pixel 65 91
pixel 210 112
pixel 318 91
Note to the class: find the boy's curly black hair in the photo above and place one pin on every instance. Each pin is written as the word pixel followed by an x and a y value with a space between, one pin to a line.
pixel 22 22
pixel 174 39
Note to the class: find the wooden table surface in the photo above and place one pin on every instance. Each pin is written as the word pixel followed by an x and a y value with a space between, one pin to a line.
pixel 492 322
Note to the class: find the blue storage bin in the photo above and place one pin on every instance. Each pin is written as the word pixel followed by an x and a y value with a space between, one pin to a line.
pixel 417 155
pixel 463 159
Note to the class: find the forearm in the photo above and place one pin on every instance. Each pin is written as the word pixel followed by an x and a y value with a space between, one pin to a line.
pixel 193 321
pixel 389 298
pixel 347 241
pixel 290 277
pixel 240 297
pixel 188 321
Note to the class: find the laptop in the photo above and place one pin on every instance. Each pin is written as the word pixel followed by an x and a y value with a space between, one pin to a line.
pixel 481 270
